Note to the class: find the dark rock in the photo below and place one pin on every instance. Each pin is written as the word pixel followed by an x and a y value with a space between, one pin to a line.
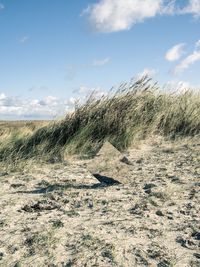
pixel 40 206
pixel 139 160
pixel 164 263
pixel 196 235
pixel 170 217
pixel 90 204
pixel 16 185
pixel 186 243
pixel 1 255
pixel 141 257
pixel 176 179
pixel 138 209
pixel 154 251
pixel 197 255
pixel 57 223
pixel 159 213
pixel 181 241
pixel 147 187
pixel 125 160
pixel 3 173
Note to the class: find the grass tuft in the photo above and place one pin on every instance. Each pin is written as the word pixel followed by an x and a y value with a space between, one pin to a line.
pixel 134 112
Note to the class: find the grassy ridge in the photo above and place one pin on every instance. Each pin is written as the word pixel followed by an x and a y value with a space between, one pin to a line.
pixel 133 112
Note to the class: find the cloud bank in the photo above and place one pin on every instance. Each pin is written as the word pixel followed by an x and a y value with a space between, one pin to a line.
pixel 118 15
pixel 13 107
pixel 49 107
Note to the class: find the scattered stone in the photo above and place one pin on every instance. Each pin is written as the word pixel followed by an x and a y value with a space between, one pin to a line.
pixel 196 235
pixel 186 243
pixel 176 179
pixel 41 205
pixel 164 263
pixel 57 223
pixel 3 174
pixel 16 185
pixel 147 187
pixel 139 161
pixel 159 213
pixel 138 209
pixel 125 160
pixel 192 193
pixel 90 204
pixel 155 251
pixel 1 255
pixel 2 223
pixel 162 169
pixel 107 253
pixel 141 257
pixel 181 241
pixel 197 255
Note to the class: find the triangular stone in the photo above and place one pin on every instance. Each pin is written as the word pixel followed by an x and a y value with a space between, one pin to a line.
pixel 109 162
pixel 108 150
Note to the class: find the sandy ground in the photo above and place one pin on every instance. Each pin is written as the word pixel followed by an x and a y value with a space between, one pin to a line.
pixel 60 215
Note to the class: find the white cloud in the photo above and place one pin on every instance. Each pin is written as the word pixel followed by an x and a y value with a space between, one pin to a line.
pixel 147 72
pixel 101 62
pixel 187 62
pixel 86 91
pixel 193 8
pixel 12 107
pixel 117 15
pixel 24 39
pixel 197 45
pixel 1 7
pixel 175 52
pixel 2 96
pixel 49 107
pixel 180 86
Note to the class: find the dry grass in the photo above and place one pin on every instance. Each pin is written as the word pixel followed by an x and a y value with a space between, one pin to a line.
pixel 11 130
pixel 134 112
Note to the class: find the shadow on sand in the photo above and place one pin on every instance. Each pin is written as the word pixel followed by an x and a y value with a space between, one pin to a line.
pixel 104 181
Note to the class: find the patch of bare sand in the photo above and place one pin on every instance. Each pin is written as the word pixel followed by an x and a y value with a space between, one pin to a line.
pixel 60 215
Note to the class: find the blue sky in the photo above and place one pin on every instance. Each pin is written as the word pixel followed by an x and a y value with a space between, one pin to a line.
pixel 53 52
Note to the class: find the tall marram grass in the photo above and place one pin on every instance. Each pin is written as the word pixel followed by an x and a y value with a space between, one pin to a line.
pixel 135 111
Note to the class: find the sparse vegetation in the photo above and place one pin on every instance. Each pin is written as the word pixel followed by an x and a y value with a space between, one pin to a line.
pixel 62 218
pixel 134 112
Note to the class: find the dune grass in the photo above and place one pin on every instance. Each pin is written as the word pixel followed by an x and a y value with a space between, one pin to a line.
pixel 133 112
